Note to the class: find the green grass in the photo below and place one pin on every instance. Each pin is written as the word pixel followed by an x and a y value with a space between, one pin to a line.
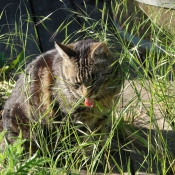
pixel 136 129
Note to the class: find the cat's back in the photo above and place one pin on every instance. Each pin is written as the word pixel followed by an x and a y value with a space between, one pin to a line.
pixel 32 88
pixel 48 59
pixel 37 73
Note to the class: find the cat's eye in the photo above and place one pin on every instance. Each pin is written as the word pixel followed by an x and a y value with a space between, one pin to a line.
pixel 77 85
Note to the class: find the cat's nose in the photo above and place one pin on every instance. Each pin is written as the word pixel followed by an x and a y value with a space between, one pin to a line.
pixel 86 92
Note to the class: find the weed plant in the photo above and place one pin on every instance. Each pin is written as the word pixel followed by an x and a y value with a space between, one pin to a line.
pixel 142 133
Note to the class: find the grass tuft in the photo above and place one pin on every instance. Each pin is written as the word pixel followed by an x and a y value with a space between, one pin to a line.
pixel 142 121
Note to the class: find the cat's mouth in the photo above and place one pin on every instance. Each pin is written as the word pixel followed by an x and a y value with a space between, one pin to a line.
pixel 89 102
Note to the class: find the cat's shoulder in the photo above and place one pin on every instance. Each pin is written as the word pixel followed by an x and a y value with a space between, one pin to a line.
pixel 47 59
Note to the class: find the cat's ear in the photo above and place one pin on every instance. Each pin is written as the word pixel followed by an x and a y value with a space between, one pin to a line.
pixel 99 48
pixel 65 50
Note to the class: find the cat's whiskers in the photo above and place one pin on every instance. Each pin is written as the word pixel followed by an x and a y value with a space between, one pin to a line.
pixel 110 87
pixel 105 90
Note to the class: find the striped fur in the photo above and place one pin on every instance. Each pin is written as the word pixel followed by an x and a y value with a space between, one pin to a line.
pixel 55 81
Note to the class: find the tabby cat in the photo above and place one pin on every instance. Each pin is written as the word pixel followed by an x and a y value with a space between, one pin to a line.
pixel 79 81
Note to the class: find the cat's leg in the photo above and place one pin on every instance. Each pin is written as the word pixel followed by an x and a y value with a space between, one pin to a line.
pixel 15 121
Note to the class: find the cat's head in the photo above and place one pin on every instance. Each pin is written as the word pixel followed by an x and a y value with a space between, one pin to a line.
pixel 86 66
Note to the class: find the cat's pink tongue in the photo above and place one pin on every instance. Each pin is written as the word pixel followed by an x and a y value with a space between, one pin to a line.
pixel 89 102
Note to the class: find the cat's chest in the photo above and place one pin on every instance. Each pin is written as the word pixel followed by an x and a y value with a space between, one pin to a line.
pixel 96 116
pixel 90 118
